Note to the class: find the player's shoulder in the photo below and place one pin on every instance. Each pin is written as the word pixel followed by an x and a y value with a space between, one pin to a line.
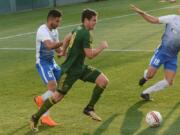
pixel 173 16
pixel 81 29
pixel 42 28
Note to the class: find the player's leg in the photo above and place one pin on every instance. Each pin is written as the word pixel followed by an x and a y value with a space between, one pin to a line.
pixel 64 86
pixel 148 74
pixel 170 73
pixel 101 81
pixel 155 63
pixel 46 72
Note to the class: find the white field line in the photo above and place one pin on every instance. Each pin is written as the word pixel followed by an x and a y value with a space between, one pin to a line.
pixel 72 25
pixel 107 50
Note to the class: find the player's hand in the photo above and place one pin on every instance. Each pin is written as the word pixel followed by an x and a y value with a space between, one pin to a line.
pixel 136 9
pixel 61 53
pixel 104 44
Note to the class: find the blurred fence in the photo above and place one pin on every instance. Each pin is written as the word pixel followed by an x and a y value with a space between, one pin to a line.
pixel 7 6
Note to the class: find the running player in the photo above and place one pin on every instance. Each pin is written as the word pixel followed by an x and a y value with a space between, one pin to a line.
pixel 166 54
pixel 74 68
pixel 47 42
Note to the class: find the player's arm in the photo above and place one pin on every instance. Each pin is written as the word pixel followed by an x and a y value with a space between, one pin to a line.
pixel 66 42
pixel 91 53
pixel 146 16
pixel 52 45
pixel 63 48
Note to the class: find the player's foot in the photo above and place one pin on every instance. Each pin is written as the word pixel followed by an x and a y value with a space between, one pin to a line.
pixel 142 81
pixel 33 124
pixel 39 101
pixel 48 121
pixel 146 97
pixel 90 112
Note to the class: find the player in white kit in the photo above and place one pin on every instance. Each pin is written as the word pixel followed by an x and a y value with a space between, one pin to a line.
pixel 47 43
pixel 166 54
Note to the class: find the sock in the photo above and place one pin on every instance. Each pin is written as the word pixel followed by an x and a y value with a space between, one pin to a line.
pixel 145 74
pixel 47 104
pixel 95 95
pixel 45 96
pixel 157 87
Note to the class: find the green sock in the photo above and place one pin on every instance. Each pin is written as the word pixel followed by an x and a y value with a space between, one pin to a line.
pixel 47 104
pixel 95 95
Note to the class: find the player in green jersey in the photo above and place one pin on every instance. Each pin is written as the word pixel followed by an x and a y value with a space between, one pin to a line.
pixel 79 43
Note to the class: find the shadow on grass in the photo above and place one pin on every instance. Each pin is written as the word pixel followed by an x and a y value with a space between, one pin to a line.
pixel 132 120
pixel 149 131
pixel 103 127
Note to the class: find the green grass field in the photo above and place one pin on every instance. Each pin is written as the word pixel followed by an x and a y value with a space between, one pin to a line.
pixel 121 108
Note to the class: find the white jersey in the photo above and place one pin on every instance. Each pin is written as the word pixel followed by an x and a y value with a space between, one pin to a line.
pixel 42 53
pixel 171 37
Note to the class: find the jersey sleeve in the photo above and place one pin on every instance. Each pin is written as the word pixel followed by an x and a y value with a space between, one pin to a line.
pixel 43 34
pixel 167 19
pixel 86 40
pixel 57 38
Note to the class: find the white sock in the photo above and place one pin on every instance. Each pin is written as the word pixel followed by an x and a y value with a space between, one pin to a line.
pixel 45 96
pixel 145 74
pixel 157 87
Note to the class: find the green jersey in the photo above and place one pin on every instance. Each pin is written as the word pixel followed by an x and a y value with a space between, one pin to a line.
pixel 81 38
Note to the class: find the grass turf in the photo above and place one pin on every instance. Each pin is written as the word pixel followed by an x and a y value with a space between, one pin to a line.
pixel 122 110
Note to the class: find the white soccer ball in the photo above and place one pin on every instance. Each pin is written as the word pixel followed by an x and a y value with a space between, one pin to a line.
pixel 154 119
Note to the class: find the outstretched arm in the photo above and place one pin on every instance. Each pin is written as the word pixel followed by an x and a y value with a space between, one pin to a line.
pixel 65 45
pixel 92 53
pixel 146 16
pixel 52 45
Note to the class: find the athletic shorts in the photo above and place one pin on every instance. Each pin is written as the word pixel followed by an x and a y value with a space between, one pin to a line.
pixel 48 71
pixel 159 58
pixel 88 74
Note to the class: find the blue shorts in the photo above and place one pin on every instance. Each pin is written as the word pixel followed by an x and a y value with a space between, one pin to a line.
pixel 159 58
pixel 48 71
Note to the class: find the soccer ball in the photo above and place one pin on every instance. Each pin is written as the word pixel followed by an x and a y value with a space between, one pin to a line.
pixel 154 119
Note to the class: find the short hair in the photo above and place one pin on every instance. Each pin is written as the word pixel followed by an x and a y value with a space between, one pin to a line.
pixel 54 13
pixel 88 14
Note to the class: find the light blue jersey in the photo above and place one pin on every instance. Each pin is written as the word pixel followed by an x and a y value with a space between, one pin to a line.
pixel 170 44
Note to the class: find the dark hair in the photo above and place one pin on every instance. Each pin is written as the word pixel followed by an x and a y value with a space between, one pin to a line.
pixel 54 13
pixel 88 14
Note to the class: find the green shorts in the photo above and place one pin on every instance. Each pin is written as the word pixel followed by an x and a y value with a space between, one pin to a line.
pixel 88 74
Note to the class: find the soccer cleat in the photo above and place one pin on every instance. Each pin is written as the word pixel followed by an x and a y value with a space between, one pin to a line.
pixel 33 124
pixel 142 81
pixel 39 101
pixel 47 120
pixel 146 97
pixel 90 112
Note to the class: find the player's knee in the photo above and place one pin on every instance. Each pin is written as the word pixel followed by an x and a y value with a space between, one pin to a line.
pixel 104 82
pixel 52 86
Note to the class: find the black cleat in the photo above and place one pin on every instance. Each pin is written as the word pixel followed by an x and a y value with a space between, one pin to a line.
pixel 142 81
pixel 90 112
pixel 33 124
pixel 146 97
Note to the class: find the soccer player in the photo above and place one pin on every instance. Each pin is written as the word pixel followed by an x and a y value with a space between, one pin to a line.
pixel 166 54
pixel 73 68
pixel 47 42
